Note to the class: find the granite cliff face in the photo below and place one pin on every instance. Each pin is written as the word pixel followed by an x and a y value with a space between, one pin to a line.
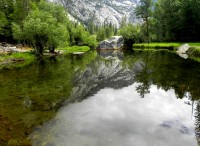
pixel 100 11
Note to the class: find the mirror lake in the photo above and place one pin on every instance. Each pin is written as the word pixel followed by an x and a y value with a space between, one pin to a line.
pixel 102 98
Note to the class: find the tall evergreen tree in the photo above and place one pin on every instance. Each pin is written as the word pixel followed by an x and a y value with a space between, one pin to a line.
pixel 144 11
pixel 7 9
pixel 191 20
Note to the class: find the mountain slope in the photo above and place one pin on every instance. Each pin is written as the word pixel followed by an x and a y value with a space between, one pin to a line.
pixel 100 11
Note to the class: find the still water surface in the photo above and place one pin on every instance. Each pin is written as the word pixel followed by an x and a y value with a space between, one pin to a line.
pixel 121 118
pixel 108 98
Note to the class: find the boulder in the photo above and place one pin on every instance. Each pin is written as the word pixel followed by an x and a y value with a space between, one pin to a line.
pixel 182 50
pixel 1 49
pixel 116 42
pixel 12 49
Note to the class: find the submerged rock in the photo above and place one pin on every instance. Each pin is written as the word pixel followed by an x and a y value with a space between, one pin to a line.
pixel 116 42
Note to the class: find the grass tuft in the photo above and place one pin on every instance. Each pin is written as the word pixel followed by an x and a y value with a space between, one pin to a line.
pixel 6 60
pixel 74 49
pixel 155 45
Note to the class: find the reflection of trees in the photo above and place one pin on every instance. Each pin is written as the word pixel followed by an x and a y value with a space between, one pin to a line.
pixel 180 90
pixel 167 71
pixel 144 77
pixel 197 121
pixel 36 91
pixel 143 89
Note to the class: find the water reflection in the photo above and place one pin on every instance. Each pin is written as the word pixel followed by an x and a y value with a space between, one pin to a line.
pixel 31 95
pixel 111 111
pixel 117 69
pixel 121 118
pixel 143 93
pixel 197 121
pixel 111 54
pixel 105 71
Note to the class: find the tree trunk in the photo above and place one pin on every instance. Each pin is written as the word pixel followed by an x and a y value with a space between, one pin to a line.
pixel 39 49
pixel 147 23
pixel 52 49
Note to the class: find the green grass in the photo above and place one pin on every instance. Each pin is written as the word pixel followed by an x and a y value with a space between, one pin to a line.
pixel 26 55
pixel 152 50
pixel 157 45
pixel 195 45
pixel 6 59
pixel 74 49
pixel 163 44
pixel 194 51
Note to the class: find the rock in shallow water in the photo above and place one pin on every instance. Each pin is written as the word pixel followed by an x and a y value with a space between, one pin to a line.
pixel 182 50
pixel 116 42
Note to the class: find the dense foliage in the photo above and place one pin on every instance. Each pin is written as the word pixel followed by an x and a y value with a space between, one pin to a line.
pixel 176 20
pixel 40 24
pixel 41 29
pixel 102 31
pixel 167 20
pixel 144 12
pixel 130 33
pixel 43 24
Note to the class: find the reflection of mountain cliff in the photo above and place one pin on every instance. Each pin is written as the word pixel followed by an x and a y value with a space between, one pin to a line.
pixel 111 54
pixel 105 71
pixel 116 69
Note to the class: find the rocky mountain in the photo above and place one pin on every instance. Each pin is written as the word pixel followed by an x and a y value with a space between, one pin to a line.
pixel 101 11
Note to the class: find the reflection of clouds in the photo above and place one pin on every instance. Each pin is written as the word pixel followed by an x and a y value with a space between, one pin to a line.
pixel 121 118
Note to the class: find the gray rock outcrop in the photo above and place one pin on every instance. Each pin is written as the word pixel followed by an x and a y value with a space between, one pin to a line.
pixel 100 11
pixel 116 42
pixel 6 48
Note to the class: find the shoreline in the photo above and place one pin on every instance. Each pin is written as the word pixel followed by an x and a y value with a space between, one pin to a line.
pixel 193 52
pixel 24 57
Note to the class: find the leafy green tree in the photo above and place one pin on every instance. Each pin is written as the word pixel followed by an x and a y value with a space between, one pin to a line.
pixel 83 37
pixel 3 21
pixel 159 23
pixel 191 16
pixel 41 30
pixel 56 10
pixel 130 33
pixel 144 11
pixel 168 19
pixel 21 10
pixel 91 41
pixel 177 20
pixel 7 9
